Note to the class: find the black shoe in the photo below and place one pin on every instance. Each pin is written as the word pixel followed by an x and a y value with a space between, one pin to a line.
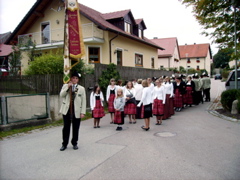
pixel 63 148
pixel 119 128
pixel 75 147
pixel 134 122
pixel 98 126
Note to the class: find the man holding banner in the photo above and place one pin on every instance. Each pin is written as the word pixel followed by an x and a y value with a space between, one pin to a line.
pixel 73 109
pixel 73 105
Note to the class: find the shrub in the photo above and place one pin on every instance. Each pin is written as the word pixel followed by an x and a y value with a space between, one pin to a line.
pixel 228 96
pixel 50 64
pixel 225 73
pixel 109 73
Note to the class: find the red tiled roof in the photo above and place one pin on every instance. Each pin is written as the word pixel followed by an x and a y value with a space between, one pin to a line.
pixel 5 50
pixel 168 44
pixel 194 50
pixel 100 20
pixel 114 15
pixel 4 37
pixel 138 21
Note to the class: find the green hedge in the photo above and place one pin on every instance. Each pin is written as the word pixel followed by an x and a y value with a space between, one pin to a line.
pixel 228 96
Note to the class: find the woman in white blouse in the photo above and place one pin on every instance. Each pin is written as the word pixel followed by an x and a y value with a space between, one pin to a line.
pixel 159 97
pixel 169 103
pixel 146 100
pixel 130 106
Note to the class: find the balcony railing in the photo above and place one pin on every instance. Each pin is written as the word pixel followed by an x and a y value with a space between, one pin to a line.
pixel 57 35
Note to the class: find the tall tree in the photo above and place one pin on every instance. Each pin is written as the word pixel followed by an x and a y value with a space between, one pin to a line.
pixel 217 16
pixel 222 58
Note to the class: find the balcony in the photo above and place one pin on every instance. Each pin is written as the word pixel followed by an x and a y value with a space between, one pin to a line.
pixel 55 37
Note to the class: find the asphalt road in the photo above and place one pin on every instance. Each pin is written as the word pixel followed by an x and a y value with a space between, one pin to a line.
pixel 192 145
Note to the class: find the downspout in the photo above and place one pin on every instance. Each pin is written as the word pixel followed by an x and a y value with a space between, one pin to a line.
pixel 110 47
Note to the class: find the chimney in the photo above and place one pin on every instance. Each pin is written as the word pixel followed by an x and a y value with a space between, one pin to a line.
pixel 155 37
pixel 194 43
pixel 185 44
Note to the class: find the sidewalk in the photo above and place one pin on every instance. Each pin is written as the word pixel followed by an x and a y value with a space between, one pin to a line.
pixel 192 144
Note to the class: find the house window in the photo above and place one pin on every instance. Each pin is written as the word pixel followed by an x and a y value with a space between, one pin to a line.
pixel 94 55
pixel 140 33
pixel 188 60
pixel 45 28
pixel 198 68
pixel 161 67
pixel 119 57
pixel 198 60
pixel 139 60
pixel 152 62
pixel 128 27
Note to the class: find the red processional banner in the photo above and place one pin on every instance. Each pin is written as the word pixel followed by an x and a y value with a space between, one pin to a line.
pixel 73 40
pixel 76 45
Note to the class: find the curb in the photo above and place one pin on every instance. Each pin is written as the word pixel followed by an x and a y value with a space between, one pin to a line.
pixel 212 110
pixel 215 113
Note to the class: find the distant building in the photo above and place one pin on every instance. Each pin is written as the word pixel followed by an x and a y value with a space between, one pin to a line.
pixel 196 56
pixel 170 56
pixel 115 37
pixel 5 51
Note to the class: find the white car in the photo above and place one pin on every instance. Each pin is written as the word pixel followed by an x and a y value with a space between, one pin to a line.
pixel 230 83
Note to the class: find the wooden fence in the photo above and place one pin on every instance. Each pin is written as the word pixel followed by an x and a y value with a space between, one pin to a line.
pixel 52 84
pixel 128 73
pixel 34 84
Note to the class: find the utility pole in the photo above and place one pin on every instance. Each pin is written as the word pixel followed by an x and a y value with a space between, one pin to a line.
pixel 235 4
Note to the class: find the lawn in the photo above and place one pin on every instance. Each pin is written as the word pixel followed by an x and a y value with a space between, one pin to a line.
pixel 4 134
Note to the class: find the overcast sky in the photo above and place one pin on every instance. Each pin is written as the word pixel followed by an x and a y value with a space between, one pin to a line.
pixel 163 18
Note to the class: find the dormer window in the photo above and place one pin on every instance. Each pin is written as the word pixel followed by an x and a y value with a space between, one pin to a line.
pixel 140 33
pixel 128 27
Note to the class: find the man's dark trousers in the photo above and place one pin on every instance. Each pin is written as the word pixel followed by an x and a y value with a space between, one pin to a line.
pixel 67 126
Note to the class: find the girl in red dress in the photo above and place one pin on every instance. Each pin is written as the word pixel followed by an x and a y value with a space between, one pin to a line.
pixel 130 106
pixel 119 103
pixel 111 94
pixel 96 103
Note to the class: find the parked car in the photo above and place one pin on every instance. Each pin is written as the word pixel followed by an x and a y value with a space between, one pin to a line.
pixel 3 72
pixel 218 76
pixel 230 83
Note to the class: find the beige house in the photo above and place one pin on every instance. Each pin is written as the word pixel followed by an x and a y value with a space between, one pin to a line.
pixel 196 56
pixel 108 38
pixel 170 56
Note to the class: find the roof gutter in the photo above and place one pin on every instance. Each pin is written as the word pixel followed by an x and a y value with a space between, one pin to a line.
pixel 110 47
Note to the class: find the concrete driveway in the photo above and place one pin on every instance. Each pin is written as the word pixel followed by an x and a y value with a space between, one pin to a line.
pixel 193 144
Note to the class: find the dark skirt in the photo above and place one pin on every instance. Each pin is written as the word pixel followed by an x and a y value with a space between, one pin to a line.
pixel 98 111
pixel 110 103
pixel 158 107
pixel 178 100
pixel 189 95
pixel 171 106
pixel 130 108
pixel 167 105
pixel 119 117
pixel 139 110
pixel 146 111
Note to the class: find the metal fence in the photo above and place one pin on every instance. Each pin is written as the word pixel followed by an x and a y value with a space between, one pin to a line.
pixel 24 107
